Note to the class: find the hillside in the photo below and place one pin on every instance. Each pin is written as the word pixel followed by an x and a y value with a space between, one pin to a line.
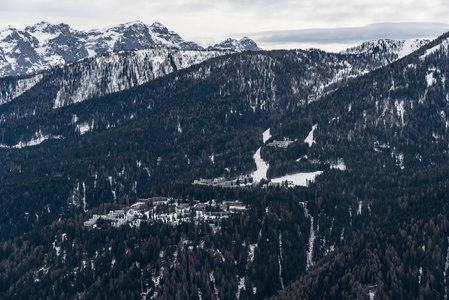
pixel 203 168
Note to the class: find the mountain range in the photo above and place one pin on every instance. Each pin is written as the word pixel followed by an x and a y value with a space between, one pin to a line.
pixel 44 45
pixel 165 172
pixel 117 71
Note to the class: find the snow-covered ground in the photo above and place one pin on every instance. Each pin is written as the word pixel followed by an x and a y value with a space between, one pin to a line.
pixel 262 167
pixel 409 46
pixel 38 138
pixel 446 267
pixel 252 248
pixel 298 179
pixel 312 236
pixel 359 208
pixel 339 165
pixel 17 88
pixel 280 259
pixel 399 158
pixel 430 80
pixel 266 135
pixel 434 49
pixel 85 127
pixel 311 244
pixel 400 109
pixel 241 286
pixel 41 47
pixel 309 139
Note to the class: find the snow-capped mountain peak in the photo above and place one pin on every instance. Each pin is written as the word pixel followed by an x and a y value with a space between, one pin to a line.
pixel 44 31
pixel 245 44
pixel 45 27
pixel 133 25
pixel 8 33
pixel 249 44
pixel 45 45
pixel 158 27
pixel 6 30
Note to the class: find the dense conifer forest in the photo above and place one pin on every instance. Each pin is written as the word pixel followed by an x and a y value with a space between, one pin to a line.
pixel 374 223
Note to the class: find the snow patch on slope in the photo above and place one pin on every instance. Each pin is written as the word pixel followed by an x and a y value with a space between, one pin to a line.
pixel 430 80
pixel 280 260
pixel 400 109
pixel 38 138
pixel 410 46
pixel 262 167
pixel 398 158
pixel 85 127
pixel 240 286
pixel 14 89
pixel 266 135
pixel 309 139
pixel 298 179
pixel 339 165
pixel 443 45
pixel 309 259
pixel 446 267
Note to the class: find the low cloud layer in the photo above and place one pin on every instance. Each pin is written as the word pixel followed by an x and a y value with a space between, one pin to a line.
pixel 348 35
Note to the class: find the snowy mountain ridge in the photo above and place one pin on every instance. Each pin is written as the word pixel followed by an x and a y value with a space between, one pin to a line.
pixel 115 72
pixel 105 74
pixel 244 44
pixel 120 70
pixel 387 49
pixel 44 45
pixel 317 74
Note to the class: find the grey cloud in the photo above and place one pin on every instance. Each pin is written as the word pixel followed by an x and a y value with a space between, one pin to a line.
pixel 353 34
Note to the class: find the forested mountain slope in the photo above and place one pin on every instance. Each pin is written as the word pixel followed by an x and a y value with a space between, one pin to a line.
pixel 380 141
pixel 279 81
pixel 399 247
pixel 93 77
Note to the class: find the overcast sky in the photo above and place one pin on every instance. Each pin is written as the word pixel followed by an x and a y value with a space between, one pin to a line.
pixel 272 23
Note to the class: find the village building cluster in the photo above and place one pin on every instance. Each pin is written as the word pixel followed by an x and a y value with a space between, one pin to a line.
pixel 242 180
pixel 170 211
pixel 280 144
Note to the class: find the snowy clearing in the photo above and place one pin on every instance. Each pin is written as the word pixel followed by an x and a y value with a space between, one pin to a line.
pixel 262 167
pixel 38 138
pixel 298 179
pixel 340 165
pixel 309 139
